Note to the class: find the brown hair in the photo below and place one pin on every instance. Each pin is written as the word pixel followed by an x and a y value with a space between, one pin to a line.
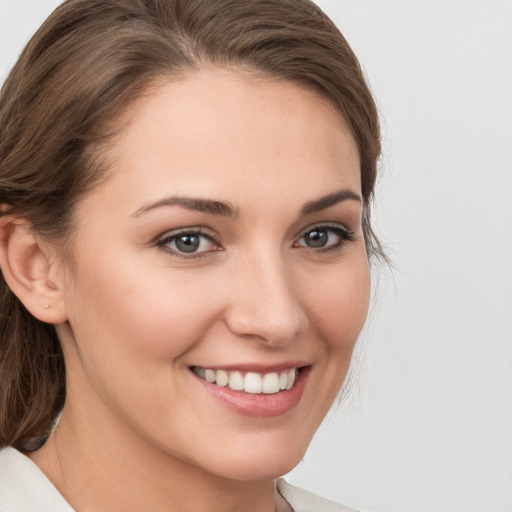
pixel 78 74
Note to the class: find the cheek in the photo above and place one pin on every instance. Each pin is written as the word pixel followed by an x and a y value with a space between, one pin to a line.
pixel 118 313
pixel 338 305
pixel 131 332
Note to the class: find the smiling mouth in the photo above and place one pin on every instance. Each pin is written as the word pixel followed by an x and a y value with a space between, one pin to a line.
pixel 249 382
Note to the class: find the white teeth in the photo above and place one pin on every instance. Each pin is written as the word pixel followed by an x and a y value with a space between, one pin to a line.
pixel 222 378
pixel 209 375
pixel 271 383
pixel 252 382
pixel 290 379
pixel 283 380
pixel 236 381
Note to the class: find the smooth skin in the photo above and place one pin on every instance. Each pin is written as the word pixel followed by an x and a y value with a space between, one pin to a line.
pixel 272 276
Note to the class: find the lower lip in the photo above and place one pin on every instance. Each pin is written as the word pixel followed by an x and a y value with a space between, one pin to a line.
pixel 260 405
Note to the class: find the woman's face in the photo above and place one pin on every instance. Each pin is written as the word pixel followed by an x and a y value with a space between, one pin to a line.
pixel 225 245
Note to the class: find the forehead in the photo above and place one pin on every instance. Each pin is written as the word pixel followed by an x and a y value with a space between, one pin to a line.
pixel 219 128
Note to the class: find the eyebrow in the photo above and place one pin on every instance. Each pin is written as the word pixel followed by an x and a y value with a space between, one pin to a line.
pixel 226 209
pixel 330 200
pixel 220 208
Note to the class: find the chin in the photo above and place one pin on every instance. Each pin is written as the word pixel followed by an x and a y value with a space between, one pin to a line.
pixel 250 471
pixel 260 464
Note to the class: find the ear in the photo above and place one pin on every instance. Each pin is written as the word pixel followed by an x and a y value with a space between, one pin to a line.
pixel 30 271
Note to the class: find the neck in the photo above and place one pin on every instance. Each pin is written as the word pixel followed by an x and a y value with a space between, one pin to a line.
pixel 100 468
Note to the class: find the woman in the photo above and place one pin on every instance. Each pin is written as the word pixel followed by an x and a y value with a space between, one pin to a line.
pixel 185 190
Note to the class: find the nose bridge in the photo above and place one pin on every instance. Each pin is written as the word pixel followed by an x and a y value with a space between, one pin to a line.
pixel 265 303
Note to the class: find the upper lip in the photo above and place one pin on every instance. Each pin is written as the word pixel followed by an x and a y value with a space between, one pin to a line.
pixel 255 367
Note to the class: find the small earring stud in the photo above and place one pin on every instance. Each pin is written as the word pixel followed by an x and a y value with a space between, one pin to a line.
pixel 47 306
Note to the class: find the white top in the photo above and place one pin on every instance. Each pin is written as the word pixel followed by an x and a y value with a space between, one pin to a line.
pixel 25 488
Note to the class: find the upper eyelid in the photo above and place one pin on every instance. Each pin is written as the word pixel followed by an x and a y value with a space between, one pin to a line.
pixel 323 225
pixel 214 237
pixel 162 242
pixel 197 230
pixel 348 235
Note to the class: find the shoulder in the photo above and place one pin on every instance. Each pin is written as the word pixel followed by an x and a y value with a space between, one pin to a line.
pixel 305 501
pixel 23 486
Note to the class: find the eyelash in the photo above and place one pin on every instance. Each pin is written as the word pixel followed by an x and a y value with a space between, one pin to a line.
pixel 169 238
pixel 344 235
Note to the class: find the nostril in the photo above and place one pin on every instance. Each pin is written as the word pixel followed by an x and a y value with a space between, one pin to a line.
pixel 264 304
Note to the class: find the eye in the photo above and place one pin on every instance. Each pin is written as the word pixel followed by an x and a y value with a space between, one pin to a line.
pixel 188 243
pixel 325 237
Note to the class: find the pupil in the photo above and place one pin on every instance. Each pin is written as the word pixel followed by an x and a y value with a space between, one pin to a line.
pixel 187 243
pixel 316 238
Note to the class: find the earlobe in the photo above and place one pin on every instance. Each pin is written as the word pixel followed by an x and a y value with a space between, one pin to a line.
pixel 27 269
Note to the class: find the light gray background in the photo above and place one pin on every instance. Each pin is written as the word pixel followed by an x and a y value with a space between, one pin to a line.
pixel 428 425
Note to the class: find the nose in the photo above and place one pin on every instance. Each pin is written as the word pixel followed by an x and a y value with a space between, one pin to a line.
pixel 264 302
